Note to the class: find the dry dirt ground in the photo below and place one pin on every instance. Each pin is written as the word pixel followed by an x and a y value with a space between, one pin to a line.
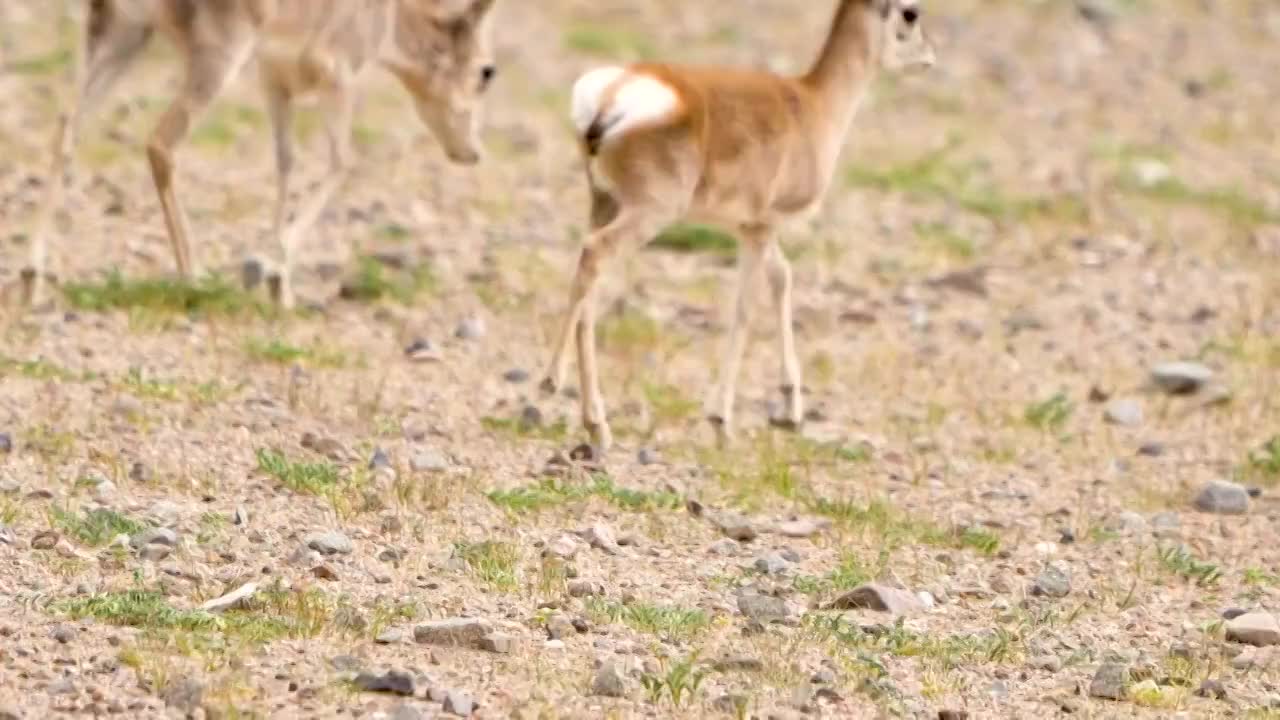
pixel 1014 242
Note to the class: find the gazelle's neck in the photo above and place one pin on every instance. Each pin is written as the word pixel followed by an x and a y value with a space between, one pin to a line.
pixel 848 60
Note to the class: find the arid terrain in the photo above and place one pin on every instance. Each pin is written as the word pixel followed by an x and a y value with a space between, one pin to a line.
pixel 1006 503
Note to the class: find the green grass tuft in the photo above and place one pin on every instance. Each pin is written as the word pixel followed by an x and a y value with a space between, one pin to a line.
pixel 551 493
pixel 95 528
pixel 661 620
pixel 374 282
pixel 689 238
pixel 493 563
pixel 280 352
pixel 613 42
pixel 320 479
pixel 212 295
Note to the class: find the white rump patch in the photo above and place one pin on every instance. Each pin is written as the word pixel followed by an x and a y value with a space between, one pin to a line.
pixel 637 99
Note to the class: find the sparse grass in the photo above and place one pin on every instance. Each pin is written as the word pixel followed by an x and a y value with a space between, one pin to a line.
pixel 995 645
pixel 889 527
pixel 847 575
pixel 39 369
pixel 1049 415
pixel 212 295
pixel 934 177
pixel 320 478
pixel 1179 561
pixel 612 41
pixel 374 282
pixel 493 563
pixel 96 527
pixel 660 620
pixel 1264 463
pixel 689 238
pixel 519 427
pixel 669 405
pixel 677 681
pixel 552 492
pixel 629 333
pixel 136 384
pixel 1232 204
pixel 49 63
pixel 280 352
pixel 946 241
pixel 49 443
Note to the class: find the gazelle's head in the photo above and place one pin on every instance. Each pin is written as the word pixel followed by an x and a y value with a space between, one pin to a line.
pixel 904 45
pixel 443 57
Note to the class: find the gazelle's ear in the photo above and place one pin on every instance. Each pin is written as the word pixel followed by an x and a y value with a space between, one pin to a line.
pixel 885 7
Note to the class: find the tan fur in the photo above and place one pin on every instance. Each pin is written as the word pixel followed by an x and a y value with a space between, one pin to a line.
pixel 437 48
pixel 742 149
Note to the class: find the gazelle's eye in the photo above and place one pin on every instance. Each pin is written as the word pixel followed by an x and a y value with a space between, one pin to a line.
pixel 487 73
pixel 910 15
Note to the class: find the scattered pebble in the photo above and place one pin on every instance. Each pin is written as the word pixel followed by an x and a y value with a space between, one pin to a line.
pixel 232 600
pixel 154 536
pixel 472 328
pixel 647 456
pixel 516 376
pixel 395 682
pixel 331 542
pixel 772 564
pixel 880 598
pixel 1181 378
pixel 738 528
pixel 1212 689
pixel 455 632
pixel 428 460
pixel 608 681
pixel 1125 412
pixel 1054 581
pixel 601 538
pixel 6 443
pixel 1223 498
pixel 1254 628
pixel 421 351
pixel 459 703
pixel 1110 682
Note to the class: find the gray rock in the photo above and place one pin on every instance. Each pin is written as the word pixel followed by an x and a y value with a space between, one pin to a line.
pixel 63 634
pixel 390 636
pixel 165 513
pixel 724 547
pixel 1181 378
pixel 1128 523
pixel 564 547
pixel 1054 581
pixel 6 443
pixel 232 600
pixel 600 537
pixel 345 663
pixel 1048 663
pixel 763 608
pixel 421 351
pixel 472 328
pixel 646 456
pixel 154 553
pixel 585 588
pixel 1110 682
pixel 772 564
pixel 395 682
pixel 455 632
pixel 185 694
pixel 559 627
pixel 1124 411
pixel 1256 628
pixel 1223 498
pixel 1212 689
pixel 515 376
pixel 303 557
pixel 329 543
pixel 154 536
pixel 880 598
pixel 405 712
pixel 240 517
pixel 1166 525
pixel 428 460
pixel 738 528
pixel 459 703
pixel 61 686
pixel 609 681
pixel 379 460
pixel 499 643
pixel 802 528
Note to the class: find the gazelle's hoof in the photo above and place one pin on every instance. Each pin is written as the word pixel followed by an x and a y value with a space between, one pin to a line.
pixel 601 436
pixel 787 424
pixel 252 273
pixel 547 386
pixel 723 430
pixel 281 291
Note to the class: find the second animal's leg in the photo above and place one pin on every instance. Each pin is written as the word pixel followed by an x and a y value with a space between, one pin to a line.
pixel 338 127
pixel 280 111
pixel 752 243
pixel 109 48
pixel 208 70
pixel 780 283
pixel 603 211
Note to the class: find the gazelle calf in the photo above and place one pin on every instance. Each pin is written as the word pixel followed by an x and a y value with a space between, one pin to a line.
pixel 439 50
pixel 739 149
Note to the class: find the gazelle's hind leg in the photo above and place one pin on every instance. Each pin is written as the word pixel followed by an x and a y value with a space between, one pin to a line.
pixel 778 269
pixel 109 49
pixel 209 68
pixel 753 241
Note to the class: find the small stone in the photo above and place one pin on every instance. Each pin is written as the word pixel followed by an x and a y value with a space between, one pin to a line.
pixel 738 527
pixel 1223 498
pixel 1255 628
pixel 1048 663
pixel 459 703
pixel 455 632
pixel 585 588
pixel 390 636
pixel 429 460
pixel 324 572
pixel 232 600
pixel 647 456
pixel 345 663
pixel 405 712
pixel 953 715
pixel 825 676
pixel 154 553
pixel 601 538
pixel 1166 525
pixel 154 536
pixel 1181 378
pixel 763 608
pixel 472 328
pixel 1124 411
pixel 772 564
pixel 732 704
pixel 185 694
pixel 63 686
pixel 559 627
pixel 1233 613
pixel 240 517
pixel 802 528
pixel 6 443
pixel 304 557
pixel 1110 682
pixel 395 682
pixel 880 598
pixel 45 540
pixel 739 663
pixel 421 351
pixel 564 547
pixel 1054 581
pixel 499 643
pixel 1212 689
pixel 531 417
pixel 329 543
pixel 379 460
pixel 1128 523
pixel 63 634
pixel 724 547
pixel 609 682
pixel 515 376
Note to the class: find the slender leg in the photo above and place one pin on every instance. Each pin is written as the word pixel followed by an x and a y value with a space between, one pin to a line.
pixel 779 271
pixel 103 60
pixel 752 245
pixel 209 69
pixel 280 111
pixel 604 209
pixel 338 127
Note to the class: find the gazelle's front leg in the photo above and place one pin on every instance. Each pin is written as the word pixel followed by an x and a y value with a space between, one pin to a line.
pixel 780 283
pixel 751 246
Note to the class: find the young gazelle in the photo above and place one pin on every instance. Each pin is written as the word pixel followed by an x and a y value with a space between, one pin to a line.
pixel 439 50
pixel 739 149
